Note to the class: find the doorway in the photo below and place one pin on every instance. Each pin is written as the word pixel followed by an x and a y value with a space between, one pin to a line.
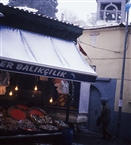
pixel 94 109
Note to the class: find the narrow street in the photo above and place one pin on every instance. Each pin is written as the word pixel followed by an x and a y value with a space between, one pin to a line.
pixel 86 137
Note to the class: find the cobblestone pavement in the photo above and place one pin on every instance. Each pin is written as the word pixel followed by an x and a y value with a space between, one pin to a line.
pixel 90 138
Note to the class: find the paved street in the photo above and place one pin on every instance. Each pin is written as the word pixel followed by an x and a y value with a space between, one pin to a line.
pixel 88 138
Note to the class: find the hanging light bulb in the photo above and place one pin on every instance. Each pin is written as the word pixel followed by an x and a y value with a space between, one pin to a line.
pixel 35 88
pixel 35 83
pixel 16 88
pixel 10 93
pixel 51 100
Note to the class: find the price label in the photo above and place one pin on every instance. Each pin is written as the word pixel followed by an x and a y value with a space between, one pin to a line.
pixel 120 103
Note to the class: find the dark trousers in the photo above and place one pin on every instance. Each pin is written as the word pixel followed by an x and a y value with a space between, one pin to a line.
pixel 105 130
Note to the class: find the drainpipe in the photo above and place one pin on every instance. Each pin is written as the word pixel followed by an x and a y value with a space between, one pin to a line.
pixel 122 78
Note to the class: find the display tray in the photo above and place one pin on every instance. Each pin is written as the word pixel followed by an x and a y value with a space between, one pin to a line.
pixel 23 107
pixel 36 115
pixel 49 131
pixel 28 131
pixel 36 111
pixel 16 113
pixel 21 131
pixel 48 128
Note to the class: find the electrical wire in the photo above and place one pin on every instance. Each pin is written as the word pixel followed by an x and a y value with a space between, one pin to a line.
pixel 104 48
pixel 107 58
pixel 101 48
pixel 97 47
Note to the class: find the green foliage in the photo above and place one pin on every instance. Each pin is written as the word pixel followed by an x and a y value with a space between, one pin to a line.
pixel 45 7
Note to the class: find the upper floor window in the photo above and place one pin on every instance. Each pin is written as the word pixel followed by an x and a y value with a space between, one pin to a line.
pixel 111 12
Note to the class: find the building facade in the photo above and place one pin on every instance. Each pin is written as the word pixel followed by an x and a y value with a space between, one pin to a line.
pixel 105 47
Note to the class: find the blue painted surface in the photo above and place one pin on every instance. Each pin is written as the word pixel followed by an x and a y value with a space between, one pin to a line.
pixel 107 88
pixel 125 127
pixel 94 109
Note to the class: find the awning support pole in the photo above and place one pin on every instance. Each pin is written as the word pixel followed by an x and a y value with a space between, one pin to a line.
pixel 70 99
pixel 68 108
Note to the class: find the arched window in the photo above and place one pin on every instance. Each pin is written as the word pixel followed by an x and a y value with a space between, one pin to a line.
pixel 111 12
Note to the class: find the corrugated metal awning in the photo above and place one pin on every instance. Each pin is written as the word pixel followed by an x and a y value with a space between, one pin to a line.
pixel 37 54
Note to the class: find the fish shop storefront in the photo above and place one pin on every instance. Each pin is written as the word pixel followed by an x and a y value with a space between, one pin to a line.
pixel 42 81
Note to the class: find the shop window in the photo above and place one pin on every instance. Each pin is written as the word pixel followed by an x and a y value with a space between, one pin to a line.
pixel 62 92
pixel 4 81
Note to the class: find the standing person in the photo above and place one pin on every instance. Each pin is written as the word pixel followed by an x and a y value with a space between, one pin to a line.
pixel 105 117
